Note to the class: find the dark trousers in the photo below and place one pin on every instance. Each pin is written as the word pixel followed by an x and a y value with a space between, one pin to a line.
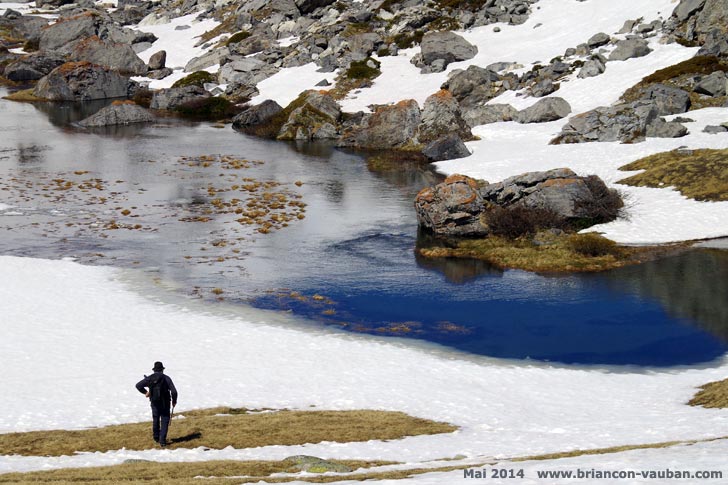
pixel 160 422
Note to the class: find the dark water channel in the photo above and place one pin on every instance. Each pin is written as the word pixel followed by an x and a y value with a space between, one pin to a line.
pixel 164 197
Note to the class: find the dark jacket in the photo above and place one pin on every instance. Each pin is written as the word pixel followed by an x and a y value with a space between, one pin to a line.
pixel 145 383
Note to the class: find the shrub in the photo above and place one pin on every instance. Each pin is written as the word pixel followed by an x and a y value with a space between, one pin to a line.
pixel 238 37
pixel 143 97
pixel 592 244
pixel 198 78
pixel 362 70
pixel 516 220
pixel 605 206
pixel 208 109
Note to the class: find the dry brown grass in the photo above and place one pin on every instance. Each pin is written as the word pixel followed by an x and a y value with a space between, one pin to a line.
pixel 210 429
pixel 712 395
pixel 25 95
pixel 698 174
pixel 165 473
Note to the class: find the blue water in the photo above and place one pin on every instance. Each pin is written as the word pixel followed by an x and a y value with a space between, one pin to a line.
pixel 352 262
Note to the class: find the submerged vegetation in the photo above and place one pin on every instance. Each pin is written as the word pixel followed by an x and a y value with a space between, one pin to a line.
pixel 698 174
pixel 221 427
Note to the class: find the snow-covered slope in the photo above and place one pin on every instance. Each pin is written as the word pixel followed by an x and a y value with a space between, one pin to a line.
pixel 75 340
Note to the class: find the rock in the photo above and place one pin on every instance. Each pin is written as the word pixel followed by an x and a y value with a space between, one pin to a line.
pixel 158 60
pixel 545 109
pixel 542 88
pixel 392 126
pixel 251 45
pixel 591 68
pixel 160 73
pixel 315 116
pixel 62 36
pixel 171 98
pixel 598 40
pixel 52 3
pixel 716 44
pixel 626 122
pixel 713 16
pixel 448 46
pixel 308 6
pixel 248 70
pixel 27 27
pixel 627 27
pixel 712 85
pixel 489 113
pixel 32 67
pixel 715 129
pixel 240 93
pixel 209 59
pixel 323 83
pixel 686 8
pixel 449 147
pixel 82 81
pixel 120 57
pixel 665 129
pixel 118 114
pixel 667 99
pixel 441 116
pixel 473 85
pixel 363 45
pixel 628 49
pixel 313 464
pixel 452 208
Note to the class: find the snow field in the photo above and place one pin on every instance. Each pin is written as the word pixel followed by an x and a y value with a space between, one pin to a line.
pixel 73 360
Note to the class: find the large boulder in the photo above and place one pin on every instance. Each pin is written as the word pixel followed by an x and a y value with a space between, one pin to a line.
pixel 592 67
pixel 667 99
pixel 248 70
pixel 62 36
pixel 460 205
pixel 448 147
pixel 626 122
pixel 33 67
pixel 118 113
pixel 686 8
pixel 172 98
pixel 545 109
pixel 713 16
pixel 712 85
pixel 715 44
pixel 474 85
pixel 442 48
pixel 158 60
pixel 256 114
pixel 452 208
pixel 82 81
pixel 441 116
pixel 120 57
pixel 489 113
pixel 314 116
pixel 391 126
pixel 628 49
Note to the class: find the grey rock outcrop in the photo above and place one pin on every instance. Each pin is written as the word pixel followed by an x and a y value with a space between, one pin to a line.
pixel 392 126
pixel 256 114
pixel 173 97
pixel 626 122
pixel 715 129
pixel 592 67
pixel 686 8
pixel 448 147
pixel 120 57
pixel 489 113
pixel 452 208
pixel 713 84
pixel 598 40
pixel 315 117
pixel 81 81
pixel 65 33
pixel 667 99
pixel 118 114
pixel 545 109
pixel 474 85
pixel 460 205
pixel 446 47
pixel 628 49
pixel 247 70
pixel 308 6
pixel 441 115
pixel 33 66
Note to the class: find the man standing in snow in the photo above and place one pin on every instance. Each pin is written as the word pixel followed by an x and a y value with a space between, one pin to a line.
pixel 160 391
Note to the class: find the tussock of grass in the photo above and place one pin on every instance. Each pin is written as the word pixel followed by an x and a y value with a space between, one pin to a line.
pixel 698 174
pixel 556 256
pixel 24 95
pixel 209 429
pixel 177 473
pixel 712 395
pixel 197 78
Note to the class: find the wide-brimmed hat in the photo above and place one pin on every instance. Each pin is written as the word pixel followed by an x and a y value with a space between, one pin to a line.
pixel 158 366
